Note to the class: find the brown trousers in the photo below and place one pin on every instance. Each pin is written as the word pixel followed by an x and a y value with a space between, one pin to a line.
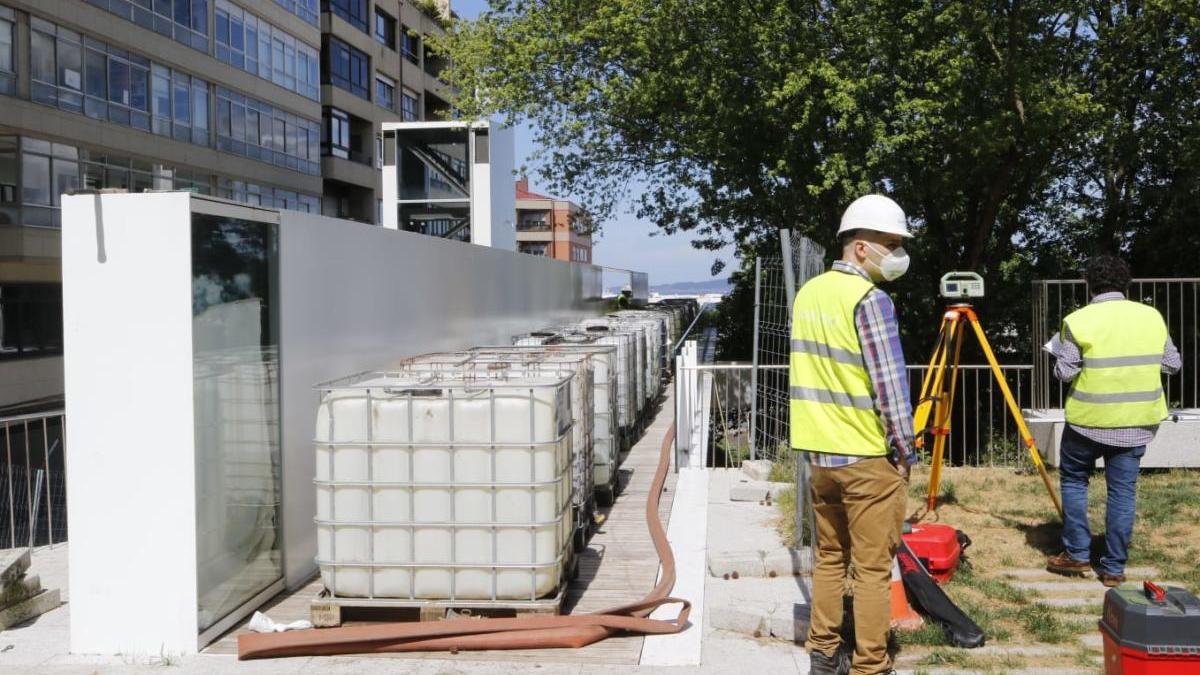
pixel 859 512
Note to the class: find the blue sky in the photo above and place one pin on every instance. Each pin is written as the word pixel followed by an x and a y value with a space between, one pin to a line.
pixel 626 240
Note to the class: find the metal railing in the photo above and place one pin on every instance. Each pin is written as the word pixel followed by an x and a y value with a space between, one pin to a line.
pixel 1178 300
pixel 982 430
pixel 33 495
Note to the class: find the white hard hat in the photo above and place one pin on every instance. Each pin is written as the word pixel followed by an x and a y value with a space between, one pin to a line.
pixel 875 212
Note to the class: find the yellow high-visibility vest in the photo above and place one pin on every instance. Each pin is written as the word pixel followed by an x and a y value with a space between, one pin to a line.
pixel 832 403
pixel 1121 383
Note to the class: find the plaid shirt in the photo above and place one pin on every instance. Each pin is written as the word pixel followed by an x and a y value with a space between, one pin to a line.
pixel 1070 363
pixel 879 337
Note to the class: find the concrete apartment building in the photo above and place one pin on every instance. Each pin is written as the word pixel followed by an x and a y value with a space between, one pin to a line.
pixel 552 227
pixel 269 102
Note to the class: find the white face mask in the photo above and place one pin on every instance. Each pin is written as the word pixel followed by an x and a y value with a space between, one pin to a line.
pixel 891 264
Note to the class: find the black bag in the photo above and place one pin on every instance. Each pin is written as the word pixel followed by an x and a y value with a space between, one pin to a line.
pixel 932 601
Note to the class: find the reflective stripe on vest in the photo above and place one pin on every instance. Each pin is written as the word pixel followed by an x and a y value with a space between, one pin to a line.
pixel 1120 384
pixel 832 405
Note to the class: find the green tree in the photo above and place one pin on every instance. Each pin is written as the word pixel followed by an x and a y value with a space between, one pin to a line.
pixel 1018 134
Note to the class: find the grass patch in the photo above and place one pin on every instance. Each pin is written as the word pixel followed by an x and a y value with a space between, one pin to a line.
pixel 1013 525
pixel 785 524
pixel 783 468
pixel 1040 623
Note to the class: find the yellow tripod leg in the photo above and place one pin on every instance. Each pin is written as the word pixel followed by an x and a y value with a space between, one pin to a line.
pixel 1034 454
pixel 942 422
pixel 924 402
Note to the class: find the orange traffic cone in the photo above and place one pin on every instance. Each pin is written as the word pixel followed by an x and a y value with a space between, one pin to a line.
pixel 903 615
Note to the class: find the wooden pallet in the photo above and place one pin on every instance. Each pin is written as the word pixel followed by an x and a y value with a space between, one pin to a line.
pixel 326 611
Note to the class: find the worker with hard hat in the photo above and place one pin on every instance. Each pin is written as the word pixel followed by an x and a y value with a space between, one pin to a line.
pixel 852 421
pixel 1114 352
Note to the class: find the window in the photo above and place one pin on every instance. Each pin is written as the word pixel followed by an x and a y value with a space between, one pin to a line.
pixel 409 106
pixel 82 75
pixel 30 320
pixel 305 9
pixel 336 139
pixel 532 248
pixel 385 92
pixel 353 11
pixel 347 68
pixel 410 46
pixel 254 129
pixel 385 29
pixel 251 44
pixel 186 21
pixel 8 53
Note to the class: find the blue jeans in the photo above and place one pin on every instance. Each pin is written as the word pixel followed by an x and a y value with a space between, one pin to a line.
pixel 1077 461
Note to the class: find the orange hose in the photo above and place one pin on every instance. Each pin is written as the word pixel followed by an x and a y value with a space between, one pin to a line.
pixel 470 634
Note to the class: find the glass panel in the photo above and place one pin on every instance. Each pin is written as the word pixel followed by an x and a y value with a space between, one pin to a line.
pixel 182 97
pixel 66 177
pixel 41 61
pixel 7 62
pixel 139 85
pixel 433 165
pixel 35 179
pixel 8 177
pixel 118 81
pixel 235 370
pixel 200 104
pixel 70 65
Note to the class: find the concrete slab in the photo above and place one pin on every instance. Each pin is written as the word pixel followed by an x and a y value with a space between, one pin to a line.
pixel 757 469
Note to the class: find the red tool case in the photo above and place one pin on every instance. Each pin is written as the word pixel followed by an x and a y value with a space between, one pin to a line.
pixel 937 547
pixel 1151 631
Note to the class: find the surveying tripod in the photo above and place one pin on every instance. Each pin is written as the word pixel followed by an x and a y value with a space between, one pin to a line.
pixel 936 403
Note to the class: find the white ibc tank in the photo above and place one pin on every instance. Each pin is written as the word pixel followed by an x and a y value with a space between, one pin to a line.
pixel 443 487
pixel 522 362
pixel 601 360
pixel 640 351
pixel 626 366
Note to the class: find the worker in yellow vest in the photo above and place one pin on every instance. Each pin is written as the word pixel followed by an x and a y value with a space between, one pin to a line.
pixel 1114 352
pixel 851 420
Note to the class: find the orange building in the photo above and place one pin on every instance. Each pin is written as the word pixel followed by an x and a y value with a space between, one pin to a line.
pixel 552 227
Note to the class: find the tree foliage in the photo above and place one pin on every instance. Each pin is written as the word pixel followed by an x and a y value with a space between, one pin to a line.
pixel 1019 135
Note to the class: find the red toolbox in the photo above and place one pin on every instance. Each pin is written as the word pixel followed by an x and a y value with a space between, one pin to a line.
pixel 1151 630
pixel 937 547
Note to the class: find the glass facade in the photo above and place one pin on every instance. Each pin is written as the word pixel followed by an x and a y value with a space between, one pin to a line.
pixel 305 9
pixel 353 11
pixel 347 67
pixel 251 128
pixel 8 51
pixel 235 382
pixel 34 174
pixel 255 46
pixel 186 21
pixel 434 181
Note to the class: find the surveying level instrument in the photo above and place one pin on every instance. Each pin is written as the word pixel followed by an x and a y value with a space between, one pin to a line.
pixel 957 285
pixel 936 404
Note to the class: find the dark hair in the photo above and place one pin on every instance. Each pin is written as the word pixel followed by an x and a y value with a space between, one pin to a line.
pixel 845 237
pixel 1106 273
